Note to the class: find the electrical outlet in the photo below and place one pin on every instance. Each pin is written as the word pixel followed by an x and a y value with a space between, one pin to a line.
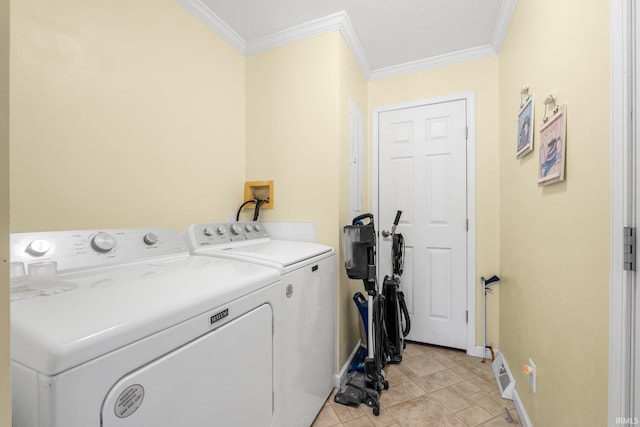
pixel 532 376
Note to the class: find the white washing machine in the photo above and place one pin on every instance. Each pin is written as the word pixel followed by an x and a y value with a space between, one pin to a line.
pixel 309 278
pixel 124 328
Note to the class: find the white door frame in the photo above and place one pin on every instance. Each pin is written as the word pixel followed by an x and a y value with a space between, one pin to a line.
pixel 469 97
pixel 622 177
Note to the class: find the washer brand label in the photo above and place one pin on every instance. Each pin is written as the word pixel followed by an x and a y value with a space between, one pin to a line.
pixel 218 316
pixel 129 401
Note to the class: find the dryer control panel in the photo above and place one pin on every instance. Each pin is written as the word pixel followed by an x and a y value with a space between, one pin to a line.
pixel 38 257
pixel 224 234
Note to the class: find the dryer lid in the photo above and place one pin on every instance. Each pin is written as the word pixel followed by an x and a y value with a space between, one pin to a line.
pixel 282 252
pixel 89 314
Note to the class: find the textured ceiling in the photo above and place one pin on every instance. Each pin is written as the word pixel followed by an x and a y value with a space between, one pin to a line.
pixel 391 32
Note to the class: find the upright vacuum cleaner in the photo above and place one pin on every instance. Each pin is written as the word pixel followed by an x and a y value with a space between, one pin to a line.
pixel 360 263
pixel 397 323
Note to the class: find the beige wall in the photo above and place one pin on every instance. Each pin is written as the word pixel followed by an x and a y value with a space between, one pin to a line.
pixel 5 392
pixel 123 114
pixel 298 135
pixel 481 77
pixel 293 131
pixel 554 246
pixel 353 87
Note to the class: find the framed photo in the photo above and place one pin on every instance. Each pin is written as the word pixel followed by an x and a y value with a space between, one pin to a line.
pixel 553 148
pixel 525 128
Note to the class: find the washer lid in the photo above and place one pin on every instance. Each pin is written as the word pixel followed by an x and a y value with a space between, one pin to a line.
pixel 89 314
pixel 281 252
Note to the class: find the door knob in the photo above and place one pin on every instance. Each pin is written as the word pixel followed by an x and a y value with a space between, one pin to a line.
pixel 386 233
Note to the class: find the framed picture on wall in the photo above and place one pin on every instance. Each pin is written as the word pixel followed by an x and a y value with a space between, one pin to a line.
pixel 525 128
pixel 553 148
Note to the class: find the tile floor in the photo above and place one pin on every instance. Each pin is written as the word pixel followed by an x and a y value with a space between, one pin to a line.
pixel 433 386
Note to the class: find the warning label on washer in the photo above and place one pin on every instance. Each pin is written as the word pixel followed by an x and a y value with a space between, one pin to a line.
pixel 129 401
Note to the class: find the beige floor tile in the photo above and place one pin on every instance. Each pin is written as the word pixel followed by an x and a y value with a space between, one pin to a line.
pixel 346 413
pixel 413 388
pixel 396 394
pixel 485 385
pixel 384 419
pixel 451 399
pixel 326 418
pixel 499 422
pixel 473 415
pixel 424 411
pixel 465 388
pixel 394 375
pixel 438 380
pixel 488 403
pixel 432 386
pixel 359 422
pixel 423 365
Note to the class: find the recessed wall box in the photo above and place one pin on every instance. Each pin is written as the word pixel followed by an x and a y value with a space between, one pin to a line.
pixel 261 190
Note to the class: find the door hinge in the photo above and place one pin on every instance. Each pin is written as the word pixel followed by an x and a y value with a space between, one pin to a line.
pixel 467 224
pixel 467 316
pixel 630 248
pixel 466 132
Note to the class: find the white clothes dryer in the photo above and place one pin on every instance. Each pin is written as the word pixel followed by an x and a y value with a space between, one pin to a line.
pixel 123 328
pixel 309 278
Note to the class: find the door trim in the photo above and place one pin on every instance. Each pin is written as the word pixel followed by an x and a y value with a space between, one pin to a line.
pixel 622 177
pixel 470 98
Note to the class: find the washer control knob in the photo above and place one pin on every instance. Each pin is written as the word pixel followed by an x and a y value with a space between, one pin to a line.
pixel 208 231
pixel 257 227
pixel 220 230
pixel 38 247
pixel 150 239
pixel 103 242
pixel 249 228
pixel 236 229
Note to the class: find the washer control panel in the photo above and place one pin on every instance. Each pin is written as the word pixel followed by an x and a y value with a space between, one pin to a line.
pixel 36 256
pixel 224 233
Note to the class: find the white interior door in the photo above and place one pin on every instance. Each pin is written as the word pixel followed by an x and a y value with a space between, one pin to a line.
pixel 422 172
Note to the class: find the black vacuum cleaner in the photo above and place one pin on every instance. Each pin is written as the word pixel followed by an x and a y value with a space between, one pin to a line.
pixel 360 263
pixel 397 323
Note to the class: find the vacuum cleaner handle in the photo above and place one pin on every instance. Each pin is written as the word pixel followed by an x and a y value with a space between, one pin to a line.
pixel 361 217
pixel 397 220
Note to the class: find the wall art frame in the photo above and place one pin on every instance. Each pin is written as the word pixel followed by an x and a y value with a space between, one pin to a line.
pixel 553 147
pixel 525 128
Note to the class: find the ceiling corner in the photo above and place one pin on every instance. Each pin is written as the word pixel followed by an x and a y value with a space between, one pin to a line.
pixel 296 33
pixel 353 42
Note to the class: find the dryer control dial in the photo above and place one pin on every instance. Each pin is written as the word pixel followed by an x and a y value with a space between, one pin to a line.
pixel 236 229
pixel 150 239
pixel 257 227
pixel 208 231
pixel 103 242
pixel 249 228
pixel 38 247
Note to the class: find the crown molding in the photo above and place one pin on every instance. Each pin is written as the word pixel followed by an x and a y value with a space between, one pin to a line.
pixel 340 21
pixel 353 42
pixel 507 7
pixel 213 21
pixel 433 62
pixel 296 33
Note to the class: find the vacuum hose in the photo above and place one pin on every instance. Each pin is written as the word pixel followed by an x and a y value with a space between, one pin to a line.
pixel 397 250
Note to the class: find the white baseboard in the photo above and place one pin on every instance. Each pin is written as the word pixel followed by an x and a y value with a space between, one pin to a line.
pixel 340 377
pixel 522 413
pixel 477 352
